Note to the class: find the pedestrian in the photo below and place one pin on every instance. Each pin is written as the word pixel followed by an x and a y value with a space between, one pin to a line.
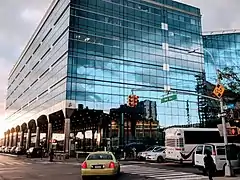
pixel 209 164
pixel 51 154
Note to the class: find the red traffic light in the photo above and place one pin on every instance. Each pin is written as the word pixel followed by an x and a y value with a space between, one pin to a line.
pixel 136 100
pixel 233 131
pixel 132 100
pixel 52 141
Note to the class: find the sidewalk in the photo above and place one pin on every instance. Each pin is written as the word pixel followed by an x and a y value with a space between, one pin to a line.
pixel 70 160
pixel 230 178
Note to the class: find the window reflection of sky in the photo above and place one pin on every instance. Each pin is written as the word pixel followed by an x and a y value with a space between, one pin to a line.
pixel 133 57
pixel 225 49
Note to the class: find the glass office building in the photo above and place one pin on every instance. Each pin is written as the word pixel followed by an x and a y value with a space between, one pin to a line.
pixel 37 81
pixel 95 52
pixel 121 45
pixel 222 50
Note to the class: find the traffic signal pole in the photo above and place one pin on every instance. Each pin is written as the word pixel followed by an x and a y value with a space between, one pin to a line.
pixel 228 170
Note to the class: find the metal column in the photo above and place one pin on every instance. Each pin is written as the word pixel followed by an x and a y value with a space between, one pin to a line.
pixel 16 139
pixel 21 138
pixel 37 137
pixel 67 135
pixel 49 136
pixel 11 139
pixel 28 141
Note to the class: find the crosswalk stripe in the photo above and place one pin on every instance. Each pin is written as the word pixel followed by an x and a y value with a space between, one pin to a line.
pixel 159 174
pixel 13 163
pixel 180 177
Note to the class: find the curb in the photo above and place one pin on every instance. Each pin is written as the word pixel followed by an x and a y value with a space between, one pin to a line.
pixel 11 155
pixel 58 162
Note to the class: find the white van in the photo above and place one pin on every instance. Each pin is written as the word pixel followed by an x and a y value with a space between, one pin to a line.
pixel 218 154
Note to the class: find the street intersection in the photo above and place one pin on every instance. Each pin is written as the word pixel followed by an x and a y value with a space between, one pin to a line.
pixel 14 168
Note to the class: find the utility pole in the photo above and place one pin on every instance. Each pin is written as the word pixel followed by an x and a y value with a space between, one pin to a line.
pixel 228 169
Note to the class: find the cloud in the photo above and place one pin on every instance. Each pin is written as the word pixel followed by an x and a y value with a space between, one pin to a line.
pixel 18 21
pixel 31 15
pixel 218 14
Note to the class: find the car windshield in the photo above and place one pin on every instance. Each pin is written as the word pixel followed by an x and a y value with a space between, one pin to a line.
pixel 100 157
pixel 150 148
pixel 160 149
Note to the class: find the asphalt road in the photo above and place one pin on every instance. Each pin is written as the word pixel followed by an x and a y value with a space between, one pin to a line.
pixel 19 169
pixel 13 168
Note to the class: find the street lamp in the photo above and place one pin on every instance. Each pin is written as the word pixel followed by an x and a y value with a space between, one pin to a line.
pixel 228 170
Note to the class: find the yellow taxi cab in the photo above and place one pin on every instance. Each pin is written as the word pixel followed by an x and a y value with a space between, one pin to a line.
pixel 100 164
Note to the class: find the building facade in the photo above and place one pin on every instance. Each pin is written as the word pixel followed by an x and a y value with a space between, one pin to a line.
pixel 221 51
pixel 96 52
pixel 224 47
pixel 118 46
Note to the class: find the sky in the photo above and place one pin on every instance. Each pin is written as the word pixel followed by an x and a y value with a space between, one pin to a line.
pixel 19 19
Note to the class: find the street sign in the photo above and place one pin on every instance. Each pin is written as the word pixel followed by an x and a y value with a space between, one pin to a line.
pixel 218 90
pixel 222 114
pixel 169 98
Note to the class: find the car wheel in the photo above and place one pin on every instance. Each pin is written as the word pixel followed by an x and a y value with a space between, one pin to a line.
pixel 193 159
pixel 181 161
pixel 118 172
pixel 85 178
pixel 160 159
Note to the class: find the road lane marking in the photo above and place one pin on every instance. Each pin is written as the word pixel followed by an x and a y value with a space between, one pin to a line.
pixel 159 173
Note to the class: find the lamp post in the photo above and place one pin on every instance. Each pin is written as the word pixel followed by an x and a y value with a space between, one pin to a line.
pixel 228 169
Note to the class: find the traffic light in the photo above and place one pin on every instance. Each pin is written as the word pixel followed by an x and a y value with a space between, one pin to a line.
pixel 232 131
pixel 131 100
pixel 135 101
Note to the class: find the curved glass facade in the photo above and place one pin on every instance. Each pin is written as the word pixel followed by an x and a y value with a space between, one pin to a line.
pixel 95 52
pixel 225 51
pixel 116 46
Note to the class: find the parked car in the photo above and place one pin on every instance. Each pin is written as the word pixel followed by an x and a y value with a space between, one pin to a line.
pixel 142 155
pixel 34 152
pixel 218 154
pixel 2 149
pixel 157 155
pixel 12 150
pixel 7 149
pixel 132 148
pixel 20 151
